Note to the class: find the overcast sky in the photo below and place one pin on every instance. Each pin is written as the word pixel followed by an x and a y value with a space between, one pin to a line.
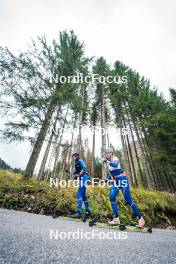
pixel 141 33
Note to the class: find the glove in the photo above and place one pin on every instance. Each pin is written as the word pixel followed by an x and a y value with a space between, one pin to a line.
pixel 75 176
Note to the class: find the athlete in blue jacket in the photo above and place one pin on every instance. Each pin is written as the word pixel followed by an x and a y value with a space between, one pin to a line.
pixel 120 183
pixel 81 173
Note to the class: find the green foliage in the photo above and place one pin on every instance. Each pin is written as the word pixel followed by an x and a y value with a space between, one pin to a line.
pixel 155 119
pixel 26 93
pixel 4 165
pixel 38 197
pixel 26 87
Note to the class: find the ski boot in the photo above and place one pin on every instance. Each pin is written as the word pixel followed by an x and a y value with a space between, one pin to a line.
pixel 141 222
pixel 77 215
pixel 115 221
pixel 88 213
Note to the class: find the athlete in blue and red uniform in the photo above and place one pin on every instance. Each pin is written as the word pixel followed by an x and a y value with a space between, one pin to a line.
pixel 120 183
pixel 81 173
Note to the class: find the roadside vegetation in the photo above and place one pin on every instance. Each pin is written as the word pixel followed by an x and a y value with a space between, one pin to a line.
pixel 30 195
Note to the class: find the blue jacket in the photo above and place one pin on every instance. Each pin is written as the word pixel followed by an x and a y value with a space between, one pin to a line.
pixel 79 165
pixel 114 168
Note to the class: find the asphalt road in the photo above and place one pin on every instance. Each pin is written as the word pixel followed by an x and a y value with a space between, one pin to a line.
pixel 29 238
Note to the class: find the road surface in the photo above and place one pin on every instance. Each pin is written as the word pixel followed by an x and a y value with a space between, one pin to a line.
pixel 30 238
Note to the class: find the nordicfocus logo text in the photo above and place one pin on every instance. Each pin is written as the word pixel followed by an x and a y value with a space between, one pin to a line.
pixel 93 78
pixel 88 235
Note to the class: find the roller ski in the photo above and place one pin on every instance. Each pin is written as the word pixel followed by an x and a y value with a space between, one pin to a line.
pixel 78 216
pixel 115 224
pixel 70 217
pixel 140 227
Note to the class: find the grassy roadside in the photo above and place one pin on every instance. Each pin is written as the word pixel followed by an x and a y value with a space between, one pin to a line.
pixel 158 208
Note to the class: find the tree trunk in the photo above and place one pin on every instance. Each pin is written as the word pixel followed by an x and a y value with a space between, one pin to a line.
pixel 145 159
pixel 71 146
pixel 40 175
pixel 39 142
pixel 44 160
pixel 57 151
pixel 103 126
pixel 134 182
pixel 93 156
pixel 152 175
pixel 126 156
pixel 136 153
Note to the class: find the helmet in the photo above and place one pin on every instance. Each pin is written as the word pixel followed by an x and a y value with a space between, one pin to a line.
pixel 109 150
pixel 76 154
